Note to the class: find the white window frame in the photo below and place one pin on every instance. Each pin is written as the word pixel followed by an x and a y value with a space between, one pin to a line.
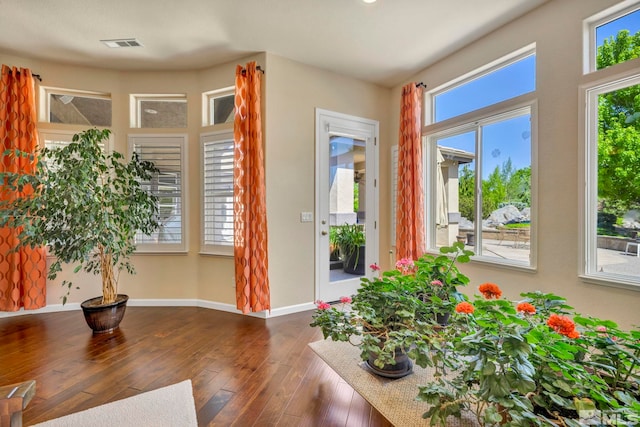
pixel 469 121
pixel 44 103
pixel 180 141
pixel 502 62
pixel 515 107
pixel 135 107
pixel 212 247
pixel 207 99
pixel 588 191
pixel 602 18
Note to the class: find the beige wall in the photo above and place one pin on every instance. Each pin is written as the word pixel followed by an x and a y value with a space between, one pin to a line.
pixel 556 28
pixel 292 92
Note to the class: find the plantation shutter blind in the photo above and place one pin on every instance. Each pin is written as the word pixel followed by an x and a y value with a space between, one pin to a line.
pixel 167 153
pixel 217 169
pixel 55 141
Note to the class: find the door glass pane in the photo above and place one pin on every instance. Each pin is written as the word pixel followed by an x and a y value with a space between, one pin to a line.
pixel 347 214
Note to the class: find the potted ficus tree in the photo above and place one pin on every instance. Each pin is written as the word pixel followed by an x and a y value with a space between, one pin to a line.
pixel 86 207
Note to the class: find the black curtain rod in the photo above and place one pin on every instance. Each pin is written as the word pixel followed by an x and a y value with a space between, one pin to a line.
pixel 244 70
pixel 37 76
pixel 421 85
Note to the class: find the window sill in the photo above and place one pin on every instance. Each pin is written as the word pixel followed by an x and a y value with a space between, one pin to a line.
pixel 480 260
pixel 510 265
pixel 611 280
pixel 216 254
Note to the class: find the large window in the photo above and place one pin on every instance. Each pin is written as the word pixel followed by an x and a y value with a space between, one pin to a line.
pixel 168 153
pixel 217 189
pixel 611 227
pixel 479 161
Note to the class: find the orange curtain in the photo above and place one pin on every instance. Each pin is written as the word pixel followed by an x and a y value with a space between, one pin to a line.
pixel 22 273
pixel 410 231
pixel 249 204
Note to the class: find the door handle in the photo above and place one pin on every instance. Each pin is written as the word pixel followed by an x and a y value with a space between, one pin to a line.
pixel 324 233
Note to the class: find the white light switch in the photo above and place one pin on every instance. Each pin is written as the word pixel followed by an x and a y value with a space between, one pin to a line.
pixel 306 216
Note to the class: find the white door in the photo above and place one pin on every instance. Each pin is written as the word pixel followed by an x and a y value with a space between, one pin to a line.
pixel 346 193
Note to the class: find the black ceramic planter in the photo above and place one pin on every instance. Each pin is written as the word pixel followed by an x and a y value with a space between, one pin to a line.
pixel 104 318
pixel 401 368
pixel 350 264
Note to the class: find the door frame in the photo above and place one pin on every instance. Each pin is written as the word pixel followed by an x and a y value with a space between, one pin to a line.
pixel 338 123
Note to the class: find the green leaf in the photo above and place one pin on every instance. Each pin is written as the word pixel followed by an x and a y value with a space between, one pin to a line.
pixel 489 368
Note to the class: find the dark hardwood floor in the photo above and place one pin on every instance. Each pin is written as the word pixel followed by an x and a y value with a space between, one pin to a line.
pixel 245 371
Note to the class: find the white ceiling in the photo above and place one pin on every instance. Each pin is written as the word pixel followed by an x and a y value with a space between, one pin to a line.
pixel 384 42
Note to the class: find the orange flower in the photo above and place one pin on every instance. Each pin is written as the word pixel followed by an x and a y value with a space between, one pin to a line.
pixel 490 290
pixel 465 307
pixel 526 308
pixel 563 325
pixel 573 334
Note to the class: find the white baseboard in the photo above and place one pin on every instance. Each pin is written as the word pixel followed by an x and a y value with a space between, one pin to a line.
pixel 48 309
pixel 230 308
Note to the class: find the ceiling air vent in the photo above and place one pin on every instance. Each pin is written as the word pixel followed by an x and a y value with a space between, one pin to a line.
pixel 122 43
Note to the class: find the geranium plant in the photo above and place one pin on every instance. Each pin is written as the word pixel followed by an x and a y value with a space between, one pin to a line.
pixel 528 363
pixel 396 312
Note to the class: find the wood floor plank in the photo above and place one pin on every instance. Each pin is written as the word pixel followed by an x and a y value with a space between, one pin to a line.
pixel 244 370
pixel 210 410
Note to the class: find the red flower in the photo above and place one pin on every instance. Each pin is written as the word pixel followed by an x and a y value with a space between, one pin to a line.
pixel 345 300
pixel 526 308
pixel 465 307
pixel 323 305
pixel 436 283
pixel 374 267
pixel 563 325
pixel 490 290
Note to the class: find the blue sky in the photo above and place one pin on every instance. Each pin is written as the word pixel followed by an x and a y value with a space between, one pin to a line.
pixel 629 22
pixel 510 138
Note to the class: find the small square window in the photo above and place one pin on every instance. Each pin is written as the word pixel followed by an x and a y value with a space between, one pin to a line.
pixel 218 107
pixel 158 111
pixel 612 37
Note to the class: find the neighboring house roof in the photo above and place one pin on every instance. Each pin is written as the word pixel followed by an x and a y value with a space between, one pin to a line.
pixel 456 155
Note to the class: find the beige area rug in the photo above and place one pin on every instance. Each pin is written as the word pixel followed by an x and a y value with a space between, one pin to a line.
pixel 169 406
pixel 393 398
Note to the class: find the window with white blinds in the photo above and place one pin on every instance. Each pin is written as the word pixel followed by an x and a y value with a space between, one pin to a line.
pixel 217 189
pixel 60 139
pixel 168 154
